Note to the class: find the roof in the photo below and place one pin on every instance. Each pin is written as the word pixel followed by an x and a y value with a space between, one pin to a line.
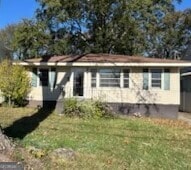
pixel 104 60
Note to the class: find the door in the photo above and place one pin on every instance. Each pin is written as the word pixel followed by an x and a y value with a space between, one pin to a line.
pixel 78 83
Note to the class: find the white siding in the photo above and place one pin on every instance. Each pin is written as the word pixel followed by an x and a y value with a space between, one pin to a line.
pixel 133 94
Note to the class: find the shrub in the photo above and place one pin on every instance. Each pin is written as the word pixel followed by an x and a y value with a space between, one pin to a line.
pixel 71 107
pixel 14 83
pixel 86 109
pixel 89 109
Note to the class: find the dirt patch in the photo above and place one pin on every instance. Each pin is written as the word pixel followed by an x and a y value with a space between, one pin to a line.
pixel 170 123
pixel 5 158
pixel 185 117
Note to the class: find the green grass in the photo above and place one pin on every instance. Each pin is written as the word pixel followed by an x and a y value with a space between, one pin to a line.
pixel 129 143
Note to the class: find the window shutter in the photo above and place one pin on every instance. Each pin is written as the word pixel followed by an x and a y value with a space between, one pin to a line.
pixel 145 79
pixel 166 79
pixel 52 77
pixel 34 77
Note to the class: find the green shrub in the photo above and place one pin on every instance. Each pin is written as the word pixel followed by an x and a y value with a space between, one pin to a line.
pixel 107 111
pixel 14 83
pixel 86 109
pixel 71 107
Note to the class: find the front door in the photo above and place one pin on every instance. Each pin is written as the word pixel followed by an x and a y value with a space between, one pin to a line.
pixel 78 83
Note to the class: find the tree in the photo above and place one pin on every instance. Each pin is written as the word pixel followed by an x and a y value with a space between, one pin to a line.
pixel 106 26
pixel 30 39
pixel 14 82
pixel 6 37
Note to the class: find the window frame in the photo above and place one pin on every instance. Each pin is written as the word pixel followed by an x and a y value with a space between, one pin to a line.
pixel 162 78
pixel 49 75
pixel 151 79
pixel 125 78
pixel 121 82
pixel 96 77
pixel 118 83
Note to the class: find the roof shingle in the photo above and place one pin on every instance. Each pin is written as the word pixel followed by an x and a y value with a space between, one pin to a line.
pixel 103 58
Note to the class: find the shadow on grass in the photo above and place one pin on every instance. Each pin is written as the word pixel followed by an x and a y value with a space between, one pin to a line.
pixel 25 125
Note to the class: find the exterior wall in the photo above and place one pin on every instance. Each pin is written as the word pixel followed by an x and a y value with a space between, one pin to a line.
pixel 40 93
pixel 152 102
pixel 147 110
pixel 134 94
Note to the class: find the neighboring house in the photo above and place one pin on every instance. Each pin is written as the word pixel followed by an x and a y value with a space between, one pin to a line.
pixel 148 86
pixel 185 93
pixel 185 104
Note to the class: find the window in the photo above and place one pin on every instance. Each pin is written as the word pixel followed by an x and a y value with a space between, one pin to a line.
pixel 166 79
pixel 109 77
pixel 126 78
pixel 145 79
pixel 43 77
pixel 34 77
pixel 93 77
pixel 156 78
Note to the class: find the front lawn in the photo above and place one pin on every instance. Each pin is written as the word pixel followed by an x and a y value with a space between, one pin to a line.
pixel 130 143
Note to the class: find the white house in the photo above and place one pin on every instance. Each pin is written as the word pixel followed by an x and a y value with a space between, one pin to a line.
pixel 130 84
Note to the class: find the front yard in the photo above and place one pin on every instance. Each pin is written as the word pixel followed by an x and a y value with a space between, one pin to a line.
pixel 129 143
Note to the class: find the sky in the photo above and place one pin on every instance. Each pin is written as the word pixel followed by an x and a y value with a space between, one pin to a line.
pixel 13 11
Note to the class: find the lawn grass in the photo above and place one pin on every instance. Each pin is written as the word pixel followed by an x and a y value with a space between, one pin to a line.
pixel 130 143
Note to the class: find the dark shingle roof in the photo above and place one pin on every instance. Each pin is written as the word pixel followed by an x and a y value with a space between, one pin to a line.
pixel 103 58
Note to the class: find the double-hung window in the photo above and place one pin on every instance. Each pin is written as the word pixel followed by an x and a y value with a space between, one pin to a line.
pixel 126 78
pixel 93 77
pixel 156 77
pixel 109 77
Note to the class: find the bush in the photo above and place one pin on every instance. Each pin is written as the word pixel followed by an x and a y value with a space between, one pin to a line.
pixel 86 109
pixel 71 107
pixel 14 83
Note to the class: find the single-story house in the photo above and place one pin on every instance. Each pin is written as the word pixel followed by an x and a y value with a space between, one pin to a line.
pixel 129 84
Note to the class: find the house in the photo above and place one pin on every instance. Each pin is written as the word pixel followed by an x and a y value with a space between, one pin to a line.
pixel 185 94
pixel 129 84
